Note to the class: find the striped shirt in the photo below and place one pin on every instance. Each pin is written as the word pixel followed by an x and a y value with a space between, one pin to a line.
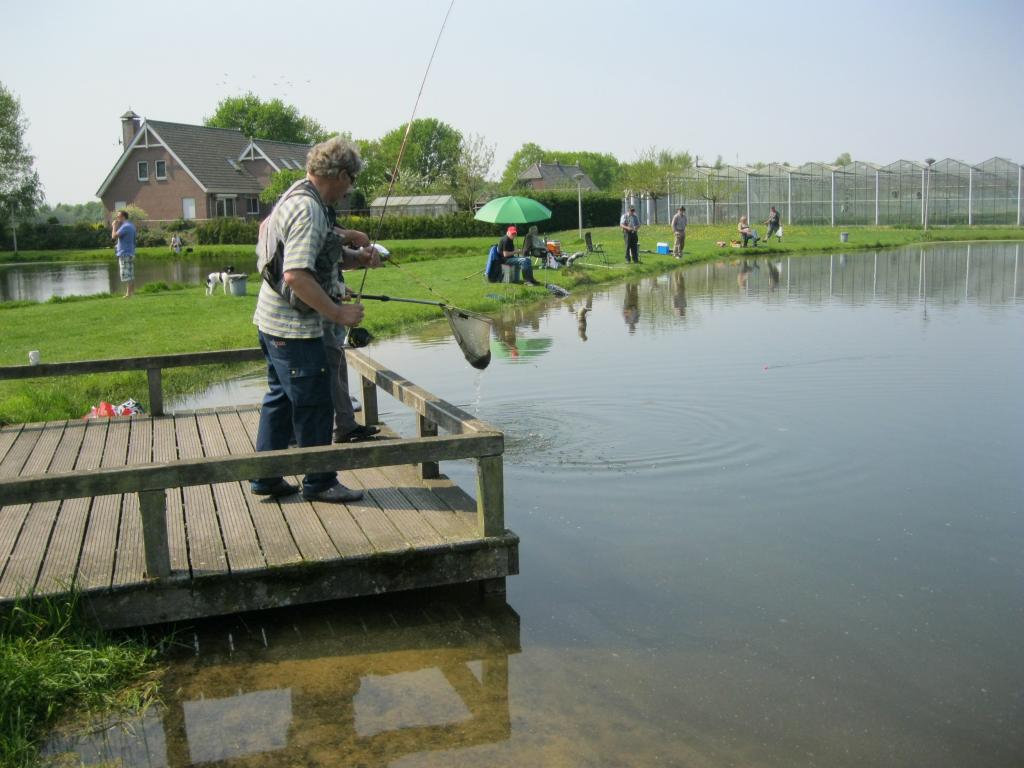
pixel 303 227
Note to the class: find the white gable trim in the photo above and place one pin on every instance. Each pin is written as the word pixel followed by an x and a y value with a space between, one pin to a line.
pixel 142 141
pixel 252 149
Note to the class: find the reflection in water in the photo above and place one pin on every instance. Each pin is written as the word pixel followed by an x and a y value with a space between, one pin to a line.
pixel 631 306
pixel 358 683
pixel 39 282
pixel 679 293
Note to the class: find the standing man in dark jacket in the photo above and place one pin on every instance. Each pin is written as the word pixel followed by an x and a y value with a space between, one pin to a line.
pixel 630 226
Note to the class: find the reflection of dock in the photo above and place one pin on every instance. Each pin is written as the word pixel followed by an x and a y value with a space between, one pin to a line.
pixel 152 518
pixel 341 689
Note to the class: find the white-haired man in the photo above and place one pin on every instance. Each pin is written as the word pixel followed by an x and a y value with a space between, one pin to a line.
pixel 293 303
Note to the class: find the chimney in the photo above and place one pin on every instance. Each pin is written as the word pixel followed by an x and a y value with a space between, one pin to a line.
pixel 129 127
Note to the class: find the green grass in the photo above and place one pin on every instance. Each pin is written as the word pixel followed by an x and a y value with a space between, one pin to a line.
pixel 52 665
pixel 163 319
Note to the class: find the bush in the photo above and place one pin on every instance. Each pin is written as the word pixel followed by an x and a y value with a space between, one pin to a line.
pixel 227 231
pixel 180 225
pixel 146 237
pixel 45 236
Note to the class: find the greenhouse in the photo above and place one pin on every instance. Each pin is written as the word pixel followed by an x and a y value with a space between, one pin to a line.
pixel 903 193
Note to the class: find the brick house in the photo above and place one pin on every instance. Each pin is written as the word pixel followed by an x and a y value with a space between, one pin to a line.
pixel 173 170
pixel 554 176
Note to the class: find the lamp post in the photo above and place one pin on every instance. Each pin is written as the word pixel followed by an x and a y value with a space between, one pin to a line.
pixel 579 200
pixel 928 162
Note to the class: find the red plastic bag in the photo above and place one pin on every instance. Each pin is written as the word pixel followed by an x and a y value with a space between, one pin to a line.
pixel 102 411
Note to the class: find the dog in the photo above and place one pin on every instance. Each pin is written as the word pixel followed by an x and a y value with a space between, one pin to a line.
pixel 221 278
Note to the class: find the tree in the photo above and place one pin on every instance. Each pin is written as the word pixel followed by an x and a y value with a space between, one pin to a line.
pixel 475 160
pixel 428 165
pixel 20 189
pixel 843 159
pixel 652 172
pixel 523 158
pixel 279 182
pixel 273 120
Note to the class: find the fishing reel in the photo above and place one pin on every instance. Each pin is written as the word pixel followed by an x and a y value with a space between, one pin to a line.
pixel 358 337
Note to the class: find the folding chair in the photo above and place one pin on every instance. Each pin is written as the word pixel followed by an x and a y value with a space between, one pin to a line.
pixel 591 248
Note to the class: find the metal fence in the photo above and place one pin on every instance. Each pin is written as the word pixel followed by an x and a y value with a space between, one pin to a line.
pixel 903 193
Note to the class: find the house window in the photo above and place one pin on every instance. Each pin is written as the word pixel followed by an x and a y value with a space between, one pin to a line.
pixel 143 170
pixel 225 207
pixel 252 206
pixel 188 208
pixel 161 169
pixel 119 204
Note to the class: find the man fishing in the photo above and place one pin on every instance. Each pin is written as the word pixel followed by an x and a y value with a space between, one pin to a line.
pixel 290 314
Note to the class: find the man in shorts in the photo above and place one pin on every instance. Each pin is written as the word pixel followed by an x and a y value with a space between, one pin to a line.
pixel 122 232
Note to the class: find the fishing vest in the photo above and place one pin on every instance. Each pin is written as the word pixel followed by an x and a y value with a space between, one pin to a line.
pixel 270 250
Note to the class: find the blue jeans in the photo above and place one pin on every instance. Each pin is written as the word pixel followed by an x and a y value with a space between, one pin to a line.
pixel 298 403
pixel 525 264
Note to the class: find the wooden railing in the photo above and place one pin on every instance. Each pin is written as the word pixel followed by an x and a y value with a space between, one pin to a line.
pixel 153 366
pixel 470 439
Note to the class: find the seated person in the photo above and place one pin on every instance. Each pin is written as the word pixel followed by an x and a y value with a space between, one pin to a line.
pixel 507 249
pixel 533 245
pixel 746 232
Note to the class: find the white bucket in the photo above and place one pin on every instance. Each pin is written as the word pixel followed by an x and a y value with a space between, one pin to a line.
pixel 237 284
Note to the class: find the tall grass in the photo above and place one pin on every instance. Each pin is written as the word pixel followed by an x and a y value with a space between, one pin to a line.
pixel 52 664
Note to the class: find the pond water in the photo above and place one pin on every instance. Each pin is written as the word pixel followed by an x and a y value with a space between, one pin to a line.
pixel 772 514
pixel 40 281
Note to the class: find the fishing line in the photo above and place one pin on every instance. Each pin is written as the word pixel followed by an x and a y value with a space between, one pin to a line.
pixel 401 153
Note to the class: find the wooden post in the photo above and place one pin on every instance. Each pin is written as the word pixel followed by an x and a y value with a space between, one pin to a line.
pixel 429 470
pixel 490 496
pixel 154 533
pixel 156 391
pixel 369 411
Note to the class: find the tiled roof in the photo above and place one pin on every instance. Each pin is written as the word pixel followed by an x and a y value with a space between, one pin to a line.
pixel 278 150
pixel 209 153
pixel 556 174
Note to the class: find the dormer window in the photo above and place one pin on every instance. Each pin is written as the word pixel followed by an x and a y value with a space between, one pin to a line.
pixel 161 169
pixel 143 170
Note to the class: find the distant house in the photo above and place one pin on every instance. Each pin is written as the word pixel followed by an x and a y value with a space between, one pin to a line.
pixel 173 170
pixel 416 205
pixel 554 176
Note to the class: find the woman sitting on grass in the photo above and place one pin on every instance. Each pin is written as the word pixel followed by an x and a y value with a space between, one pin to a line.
pixel 746 232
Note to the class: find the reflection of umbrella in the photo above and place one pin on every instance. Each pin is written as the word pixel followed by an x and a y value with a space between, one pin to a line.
pixel 522 347
pixel 513 210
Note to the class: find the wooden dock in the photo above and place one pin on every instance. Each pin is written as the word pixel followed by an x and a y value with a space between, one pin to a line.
pixel 151 518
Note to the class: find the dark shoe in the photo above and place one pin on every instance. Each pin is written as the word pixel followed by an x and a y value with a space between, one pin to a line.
pixel 359 433
pixel 532 282
pixel 278 489
pixel 336 494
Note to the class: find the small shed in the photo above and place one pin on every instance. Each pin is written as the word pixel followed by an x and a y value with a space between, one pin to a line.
pixel 416 205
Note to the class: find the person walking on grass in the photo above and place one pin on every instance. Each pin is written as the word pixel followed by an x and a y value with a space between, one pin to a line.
pixel 122 232
pixel 679 230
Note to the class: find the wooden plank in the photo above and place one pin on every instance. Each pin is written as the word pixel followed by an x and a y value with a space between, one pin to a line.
pixel 165 448
pixel 8 434
pixel 313 541
pixel 398 509
pixel 205 548
pixel 130 565
pixel 25 560
pixel 96 565
pixel 378 529
pixel 18 453
pixel 346 535
pixel 58 570
pixel 450 525
pixel 243 550
pixel 12 519
pixel 275 538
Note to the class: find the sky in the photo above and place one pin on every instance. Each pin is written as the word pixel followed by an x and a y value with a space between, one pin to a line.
pixel 772 81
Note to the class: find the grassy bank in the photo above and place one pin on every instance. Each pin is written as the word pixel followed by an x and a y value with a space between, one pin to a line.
pixel 186 320
pixel 52 666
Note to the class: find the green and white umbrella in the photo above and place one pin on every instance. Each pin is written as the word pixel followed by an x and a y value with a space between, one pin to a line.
pixel 513 210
